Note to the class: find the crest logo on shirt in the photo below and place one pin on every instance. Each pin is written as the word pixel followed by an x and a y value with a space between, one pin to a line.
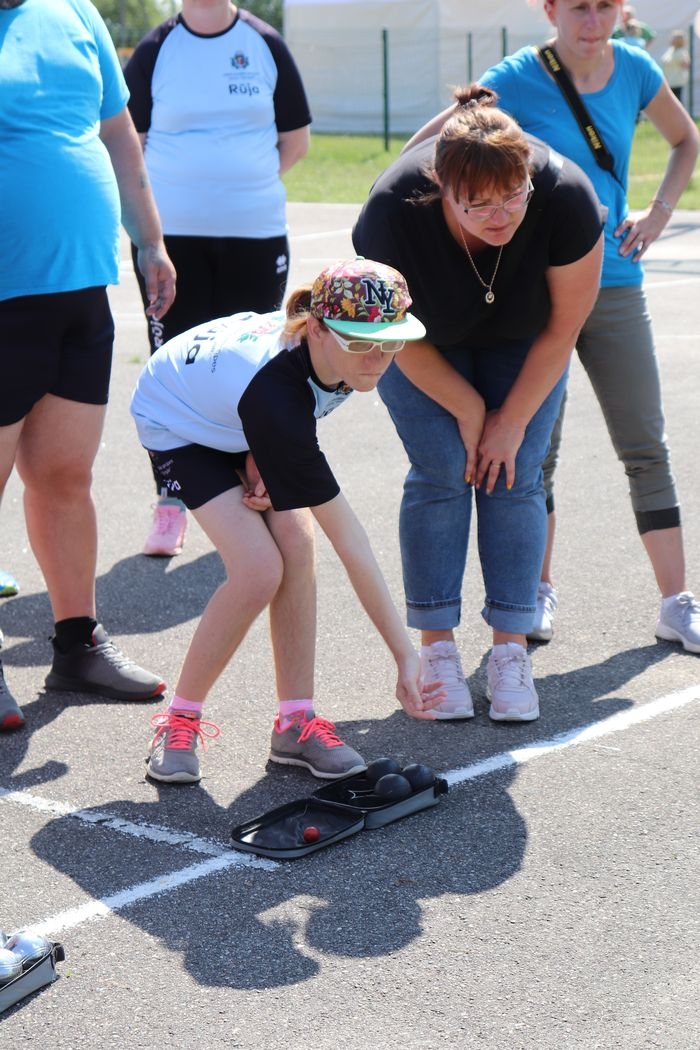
pixel 240 61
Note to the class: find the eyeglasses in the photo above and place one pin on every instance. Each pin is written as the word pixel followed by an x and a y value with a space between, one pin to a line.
pixel 364 346
pixel 484 212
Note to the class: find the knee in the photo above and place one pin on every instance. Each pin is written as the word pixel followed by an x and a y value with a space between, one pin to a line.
pixel 293 532
pixel 441 474
pixel 257 584
pixel 63 481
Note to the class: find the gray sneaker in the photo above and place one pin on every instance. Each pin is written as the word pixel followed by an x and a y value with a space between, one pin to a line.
pixel 102 669
pixel 679 621
pixel 173 757
pixel 312 742
pixel 11 716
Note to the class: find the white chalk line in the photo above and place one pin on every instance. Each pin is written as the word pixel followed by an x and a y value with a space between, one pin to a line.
pixel 581 735
pixel 220 858
pixel 674 282
pixel 320 235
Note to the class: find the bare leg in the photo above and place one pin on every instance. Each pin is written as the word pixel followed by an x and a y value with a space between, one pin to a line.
pixel 428 637
pixel 293 608
pixel 9 440
pixel 499 637
pixel 56 450
pixel 665 550
pixel 254 571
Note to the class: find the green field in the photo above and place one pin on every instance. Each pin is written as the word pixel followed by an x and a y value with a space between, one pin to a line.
pixel 340 169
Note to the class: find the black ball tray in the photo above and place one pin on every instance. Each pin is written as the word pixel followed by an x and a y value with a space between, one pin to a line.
pixel 338 809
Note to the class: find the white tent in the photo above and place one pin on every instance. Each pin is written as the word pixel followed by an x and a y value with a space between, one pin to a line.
pixel 349 50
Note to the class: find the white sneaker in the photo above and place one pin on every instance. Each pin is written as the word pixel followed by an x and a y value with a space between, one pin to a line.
pixel 543 625
pixel 679 621
pixel 440 663
pixel 510 685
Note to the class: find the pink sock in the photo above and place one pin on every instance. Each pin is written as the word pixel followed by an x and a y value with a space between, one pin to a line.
pixel 189 706
pixel 286 708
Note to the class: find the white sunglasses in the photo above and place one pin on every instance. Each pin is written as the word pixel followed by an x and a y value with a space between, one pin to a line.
pixel 365 346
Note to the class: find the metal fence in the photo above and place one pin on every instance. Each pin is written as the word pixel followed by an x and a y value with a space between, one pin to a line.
pixel 392 81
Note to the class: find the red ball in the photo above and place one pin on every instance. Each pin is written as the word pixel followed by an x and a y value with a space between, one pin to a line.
pixel 311 834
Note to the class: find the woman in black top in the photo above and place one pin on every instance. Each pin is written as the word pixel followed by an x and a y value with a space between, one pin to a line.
pixel 500 242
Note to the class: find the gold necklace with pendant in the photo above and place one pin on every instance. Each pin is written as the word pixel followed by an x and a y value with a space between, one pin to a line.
pixel 489 297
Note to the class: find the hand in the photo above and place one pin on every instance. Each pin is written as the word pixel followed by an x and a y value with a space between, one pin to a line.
pixel 417 698
pixel 638 233
pixel 159 275
pixel 498 448
pixel 470 431
pixel 255 495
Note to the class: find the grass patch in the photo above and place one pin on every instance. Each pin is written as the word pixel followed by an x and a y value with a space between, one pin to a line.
pixel 647 167
pixel 340 169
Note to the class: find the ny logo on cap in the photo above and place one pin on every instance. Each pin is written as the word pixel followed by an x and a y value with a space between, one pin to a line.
pixel 377 293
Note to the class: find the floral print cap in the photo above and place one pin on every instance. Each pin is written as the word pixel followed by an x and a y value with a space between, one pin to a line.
pixel 365 300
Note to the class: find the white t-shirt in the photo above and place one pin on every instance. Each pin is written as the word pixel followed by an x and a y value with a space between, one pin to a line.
pixel 675 63
pixel 212 108
pixel 231 385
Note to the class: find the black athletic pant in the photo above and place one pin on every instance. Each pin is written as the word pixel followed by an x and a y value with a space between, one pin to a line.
pixel 216 277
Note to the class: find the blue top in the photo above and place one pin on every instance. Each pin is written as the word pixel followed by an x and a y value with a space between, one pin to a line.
pixel 59 201
pixel 529 93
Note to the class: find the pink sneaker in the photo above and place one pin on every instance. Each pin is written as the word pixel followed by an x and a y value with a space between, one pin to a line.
pixel 167 533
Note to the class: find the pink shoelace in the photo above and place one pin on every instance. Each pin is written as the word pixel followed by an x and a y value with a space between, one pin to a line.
pixel 182 729
pixel 323 729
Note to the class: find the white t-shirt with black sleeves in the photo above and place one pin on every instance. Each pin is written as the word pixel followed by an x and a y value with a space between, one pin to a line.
pixel 232 385
pixel 212 108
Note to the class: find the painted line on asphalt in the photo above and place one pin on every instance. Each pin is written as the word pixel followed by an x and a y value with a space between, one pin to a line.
pixel 320 235
pixel 583 734
pixel 673 283
pixel 220 858
pixel 105 906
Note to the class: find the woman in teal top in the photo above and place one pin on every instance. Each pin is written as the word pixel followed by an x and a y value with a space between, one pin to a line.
pixel 616 345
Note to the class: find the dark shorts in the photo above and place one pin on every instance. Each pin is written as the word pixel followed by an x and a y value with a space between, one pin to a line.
pixel 196 474
pixel 57 344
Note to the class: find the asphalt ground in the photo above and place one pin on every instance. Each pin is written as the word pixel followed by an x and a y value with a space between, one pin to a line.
pixel 550 899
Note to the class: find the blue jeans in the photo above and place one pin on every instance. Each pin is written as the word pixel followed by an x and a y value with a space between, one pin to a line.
pixel 437 502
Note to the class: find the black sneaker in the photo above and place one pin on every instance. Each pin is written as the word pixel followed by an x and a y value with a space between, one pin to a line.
pixel 102 669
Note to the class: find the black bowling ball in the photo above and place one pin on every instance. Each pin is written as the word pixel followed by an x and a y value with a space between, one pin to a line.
pixel 419 777
pixel 380 767
pixel 393 787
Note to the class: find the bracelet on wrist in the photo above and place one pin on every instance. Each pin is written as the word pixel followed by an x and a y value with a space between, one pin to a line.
pixel 662 204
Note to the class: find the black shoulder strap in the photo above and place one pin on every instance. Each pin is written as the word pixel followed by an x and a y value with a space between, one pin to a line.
pixel 600 151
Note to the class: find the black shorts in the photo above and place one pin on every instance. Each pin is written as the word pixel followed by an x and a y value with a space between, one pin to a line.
pixel 196 474
pixel 57 344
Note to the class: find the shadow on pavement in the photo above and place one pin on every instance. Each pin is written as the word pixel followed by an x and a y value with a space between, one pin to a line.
pixel 362 898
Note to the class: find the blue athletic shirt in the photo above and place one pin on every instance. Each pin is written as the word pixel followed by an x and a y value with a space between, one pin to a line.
pixel 211 108
pixel 528 92
pixel 232 385
pixel 59 201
